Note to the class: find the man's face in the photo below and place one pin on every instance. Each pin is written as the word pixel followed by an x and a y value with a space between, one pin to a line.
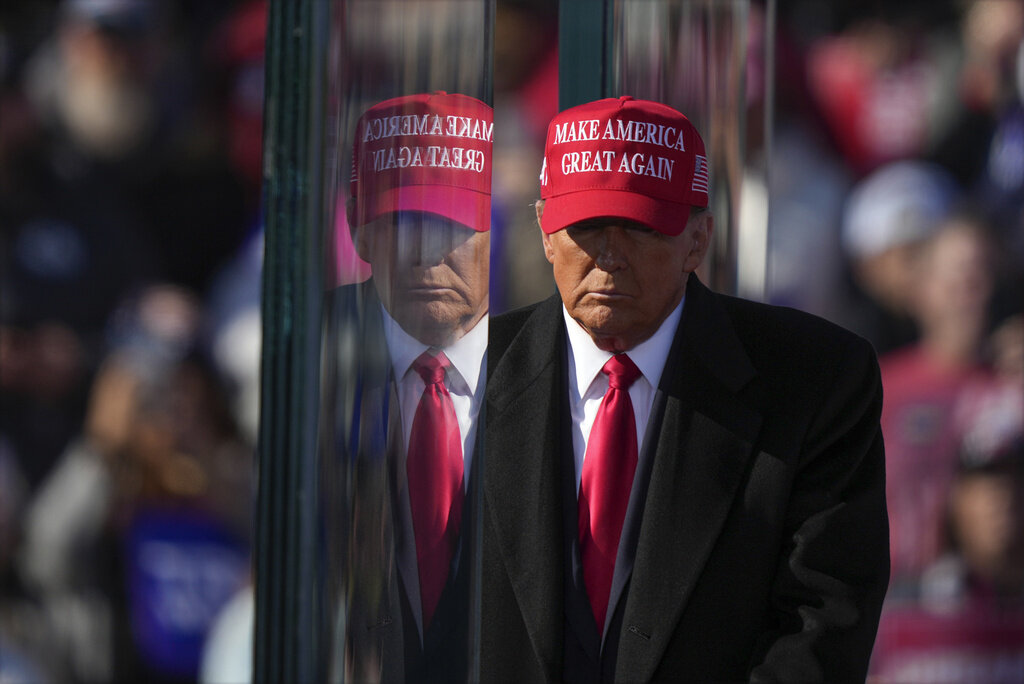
pixel 430 272
pixel 619 279
pixel 987 516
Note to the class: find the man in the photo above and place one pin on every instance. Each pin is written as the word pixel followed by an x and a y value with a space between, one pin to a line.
pixel 410 373
pixel 680 485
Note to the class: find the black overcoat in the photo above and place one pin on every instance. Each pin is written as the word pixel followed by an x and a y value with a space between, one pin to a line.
pixel 756 546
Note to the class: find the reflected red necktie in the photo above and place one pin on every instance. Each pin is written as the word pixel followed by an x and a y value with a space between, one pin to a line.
pixel 434 467
pixel 607 478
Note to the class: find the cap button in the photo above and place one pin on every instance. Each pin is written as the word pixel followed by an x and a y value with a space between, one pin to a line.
pixel 625 98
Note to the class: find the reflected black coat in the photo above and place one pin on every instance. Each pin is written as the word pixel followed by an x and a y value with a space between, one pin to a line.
pixel 756 544
pixel 379 597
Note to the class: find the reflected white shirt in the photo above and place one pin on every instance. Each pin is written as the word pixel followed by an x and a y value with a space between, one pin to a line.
pixel 464 379
pixel 587 384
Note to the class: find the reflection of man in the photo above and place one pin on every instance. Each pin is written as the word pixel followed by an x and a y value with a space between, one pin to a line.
pixel 420 214
pixel 680 485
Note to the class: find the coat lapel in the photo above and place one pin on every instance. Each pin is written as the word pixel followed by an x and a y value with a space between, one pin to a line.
pixel 525 402
pixel 700 459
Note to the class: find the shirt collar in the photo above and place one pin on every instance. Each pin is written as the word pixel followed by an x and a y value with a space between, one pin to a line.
pixel 649 356
pixel 466 353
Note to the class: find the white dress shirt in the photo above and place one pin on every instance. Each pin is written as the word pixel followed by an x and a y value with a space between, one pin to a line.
pixel 464 379
pixel 587 384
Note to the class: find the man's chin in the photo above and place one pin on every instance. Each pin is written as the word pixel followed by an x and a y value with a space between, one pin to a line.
pixel 432 323
pixel 604 319
pixel 610 331
pixel 608 341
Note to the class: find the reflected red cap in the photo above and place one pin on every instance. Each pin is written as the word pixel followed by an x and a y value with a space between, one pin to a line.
pixel 428 152
pixel 624 158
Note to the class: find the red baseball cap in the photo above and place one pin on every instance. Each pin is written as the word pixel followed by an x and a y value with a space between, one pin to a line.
pixel 624 158
pixel 427 152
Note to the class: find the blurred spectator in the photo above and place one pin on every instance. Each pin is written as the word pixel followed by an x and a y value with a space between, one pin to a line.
pixel 987 85
pixel 120 178
pixel 986 505
pixel 125 113
pixel 234 329
pixel 65 261
pixel 992 31
pixel 134 519
pixel 881 82
pixel 131 524
pixel 68 251
pixel 43 379
pixel 19 661
pixel 985 146
pixel 142 530
pixel 965 623
pixel 887 217
pixel 948 291
pixel 92 84
pixel 990 413
pixel 233 322
pixel 1006 348
pixel 986 514
pixel 236 47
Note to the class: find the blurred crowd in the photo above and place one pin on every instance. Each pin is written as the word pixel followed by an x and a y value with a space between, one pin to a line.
pixel 130 258
pixel 897 210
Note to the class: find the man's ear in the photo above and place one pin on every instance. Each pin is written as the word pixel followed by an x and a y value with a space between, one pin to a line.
pixel 549 252
pixel 538 206
pixel 700 228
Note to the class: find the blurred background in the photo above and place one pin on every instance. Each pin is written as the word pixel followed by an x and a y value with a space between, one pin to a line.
pixel 130 260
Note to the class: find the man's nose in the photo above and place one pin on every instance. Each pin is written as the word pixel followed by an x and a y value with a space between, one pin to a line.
pixel 613 248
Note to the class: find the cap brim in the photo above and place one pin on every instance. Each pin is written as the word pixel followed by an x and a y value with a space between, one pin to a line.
pixel 661 215
pixel 468 207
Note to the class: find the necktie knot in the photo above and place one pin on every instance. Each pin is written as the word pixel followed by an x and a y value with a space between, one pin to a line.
pixel 621 371
pixel 430 367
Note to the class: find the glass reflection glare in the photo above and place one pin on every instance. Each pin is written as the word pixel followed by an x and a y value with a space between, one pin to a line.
pixel 692 55
pixel 428 281
pixel 417 45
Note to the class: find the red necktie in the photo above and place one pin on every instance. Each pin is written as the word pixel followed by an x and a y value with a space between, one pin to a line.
pixel 607 478
pixel 434 467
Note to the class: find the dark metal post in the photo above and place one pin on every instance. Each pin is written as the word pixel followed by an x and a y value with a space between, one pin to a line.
pixel 286 647
pixel 584 51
